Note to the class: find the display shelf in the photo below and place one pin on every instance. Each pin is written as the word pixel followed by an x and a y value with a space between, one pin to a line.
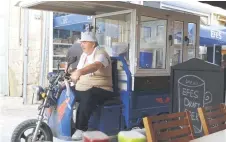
pixel 60 56
pixel 61 40
pixel 67 44
pixel 57 69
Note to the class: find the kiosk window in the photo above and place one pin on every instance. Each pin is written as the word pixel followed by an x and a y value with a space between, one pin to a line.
pixel 113 34
pixel 192 41
pixel 152 43
pixel 178 34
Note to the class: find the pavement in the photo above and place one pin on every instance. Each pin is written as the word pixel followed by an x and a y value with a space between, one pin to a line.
pixel 12 113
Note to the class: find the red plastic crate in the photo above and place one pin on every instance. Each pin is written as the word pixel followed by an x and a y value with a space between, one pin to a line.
pixel 95 136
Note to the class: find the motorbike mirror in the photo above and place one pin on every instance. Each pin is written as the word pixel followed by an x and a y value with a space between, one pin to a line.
pixel 58 65
pixel 72 60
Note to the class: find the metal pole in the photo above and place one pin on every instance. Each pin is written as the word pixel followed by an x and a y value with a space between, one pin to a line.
pixel 47 23
pixel 45 39
pixel 25 67
pixel 41 80
pixel 214 50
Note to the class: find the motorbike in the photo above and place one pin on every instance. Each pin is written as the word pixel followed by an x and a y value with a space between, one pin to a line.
pixel 41 129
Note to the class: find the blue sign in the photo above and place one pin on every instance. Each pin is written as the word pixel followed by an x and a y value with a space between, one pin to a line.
pixel 72 22
pixel 210 35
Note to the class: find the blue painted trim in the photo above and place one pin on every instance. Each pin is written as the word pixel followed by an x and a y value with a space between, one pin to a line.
pixel 122 81
pixel 126 69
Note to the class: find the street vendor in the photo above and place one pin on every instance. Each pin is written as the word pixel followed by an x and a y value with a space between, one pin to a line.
pixel 93 79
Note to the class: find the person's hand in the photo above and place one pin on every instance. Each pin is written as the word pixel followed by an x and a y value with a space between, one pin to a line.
pixel 75 75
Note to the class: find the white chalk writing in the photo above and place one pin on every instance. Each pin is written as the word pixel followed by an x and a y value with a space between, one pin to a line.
pixel 190 82
pixel 190 92
pixel 190 103
pixel 192 95
pixel 194 115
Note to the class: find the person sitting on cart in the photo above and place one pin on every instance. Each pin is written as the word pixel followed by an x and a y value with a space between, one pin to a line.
pixel 93 79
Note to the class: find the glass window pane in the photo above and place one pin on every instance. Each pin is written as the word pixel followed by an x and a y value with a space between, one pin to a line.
pixel 177 51
pixel 203 52
pixel 178 32
pixel 152 43
pixel 192 40
pixel 192 33
pixel 113 34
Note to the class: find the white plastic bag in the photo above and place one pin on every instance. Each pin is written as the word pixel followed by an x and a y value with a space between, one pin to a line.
pixel 119 48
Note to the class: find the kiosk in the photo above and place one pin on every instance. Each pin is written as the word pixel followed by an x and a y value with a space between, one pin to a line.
pixel 146 42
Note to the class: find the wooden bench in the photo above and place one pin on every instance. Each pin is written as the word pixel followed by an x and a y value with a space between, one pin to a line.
pixel 174 127
pixel 212 118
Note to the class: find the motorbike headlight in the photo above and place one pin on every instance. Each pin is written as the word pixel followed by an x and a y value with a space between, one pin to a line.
pixel 39 92
pixel 43 95
pixel 51 76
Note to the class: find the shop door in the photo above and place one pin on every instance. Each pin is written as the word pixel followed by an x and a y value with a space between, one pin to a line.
pixel 184 41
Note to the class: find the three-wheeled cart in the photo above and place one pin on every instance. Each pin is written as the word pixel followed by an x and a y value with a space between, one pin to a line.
pixel 144 43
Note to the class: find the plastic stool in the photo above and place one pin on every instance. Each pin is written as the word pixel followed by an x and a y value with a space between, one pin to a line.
pixel 131 136
pixel 95 136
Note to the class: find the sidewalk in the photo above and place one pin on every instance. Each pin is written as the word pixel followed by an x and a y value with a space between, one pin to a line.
pixel 13 112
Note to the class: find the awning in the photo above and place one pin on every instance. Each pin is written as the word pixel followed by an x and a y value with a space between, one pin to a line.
pixel 221 4
pixel 210 35
pixel 78 7
pixel 72 22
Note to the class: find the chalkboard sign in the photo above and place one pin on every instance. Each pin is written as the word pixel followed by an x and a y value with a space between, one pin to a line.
pixel 195 84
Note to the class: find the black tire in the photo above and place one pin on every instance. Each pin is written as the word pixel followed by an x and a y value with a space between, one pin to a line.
pixel 31 123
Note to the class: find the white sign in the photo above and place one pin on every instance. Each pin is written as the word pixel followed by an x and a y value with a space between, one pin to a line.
pixel 64 20
pixel 216 34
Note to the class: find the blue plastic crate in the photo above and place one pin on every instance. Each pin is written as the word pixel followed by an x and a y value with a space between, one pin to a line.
pixel 110 119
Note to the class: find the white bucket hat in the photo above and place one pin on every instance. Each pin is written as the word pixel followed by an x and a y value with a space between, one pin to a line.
pixel 88 36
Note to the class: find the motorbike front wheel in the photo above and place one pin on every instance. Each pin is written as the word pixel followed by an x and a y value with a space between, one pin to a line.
pixel 20 135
